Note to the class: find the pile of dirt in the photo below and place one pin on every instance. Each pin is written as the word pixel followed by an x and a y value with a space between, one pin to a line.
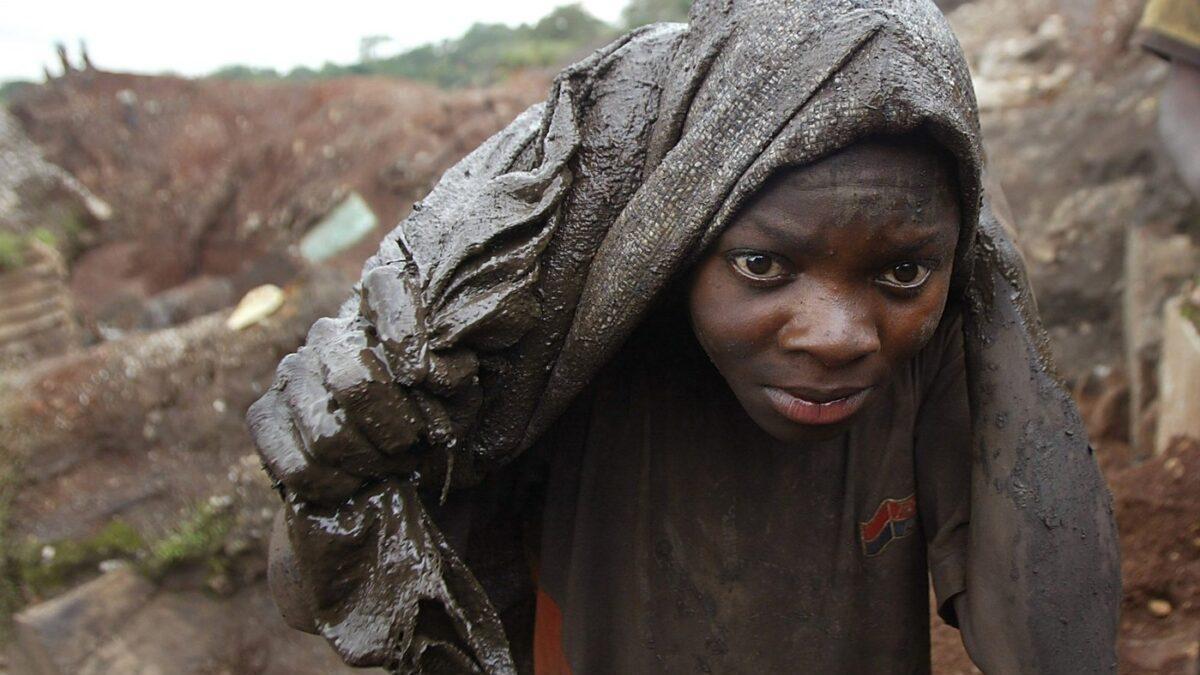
pixel 133 447
pixel 213 178
pixel 1158 516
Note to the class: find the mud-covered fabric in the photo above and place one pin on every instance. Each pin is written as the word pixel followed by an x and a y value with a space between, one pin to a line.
pixel 489 309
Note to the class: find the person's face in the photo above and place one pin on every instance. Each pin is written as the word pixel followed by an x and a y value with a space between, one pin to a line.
pixel 831 278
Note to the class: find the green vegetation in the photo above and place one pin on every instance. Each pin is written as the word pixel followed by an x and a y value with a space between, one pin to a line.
pixel 67 228
pixel 46 568
pixel 1188 308
pixel 14 245
pixel 642 12
pixel 11 87
pixel 10 593
pixel 487 53
pixel 244 73
pixel 198 538
pixel 12 250
pixel 45 236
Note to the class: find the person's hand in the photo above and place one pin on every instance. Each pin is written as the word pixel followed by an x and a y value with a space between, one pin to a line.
pixel 360 400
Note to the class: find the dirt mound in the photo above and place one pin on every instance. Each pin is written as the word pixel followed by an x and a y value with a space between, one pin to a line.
pixel 211 177
pixel 1158 516
pixel 120 450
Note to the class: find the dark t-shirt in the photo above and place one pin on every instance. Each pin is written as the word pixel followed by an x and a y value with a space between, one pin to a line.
pixel 678 537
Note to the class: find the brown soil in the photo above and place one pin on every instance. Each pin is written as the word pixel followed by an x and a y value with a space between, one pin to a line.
pixel 211 177
pixel 1158 515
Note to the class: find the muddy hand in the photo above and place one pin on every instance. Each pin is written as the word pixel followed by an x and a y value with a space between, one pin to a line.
pixel 335 418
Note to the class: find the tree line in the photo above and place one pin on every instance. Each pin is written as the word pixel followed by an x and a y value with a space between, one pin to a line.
pixel 486 53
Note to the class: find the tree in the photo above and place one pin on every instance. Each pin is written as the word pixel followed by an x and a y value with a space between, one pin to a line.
pixel 239 72
pixel 570 23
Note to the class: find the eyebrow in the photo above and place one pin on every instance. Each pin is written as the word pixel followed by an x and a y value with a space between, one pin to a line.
pixel 810 243
pixel 794 239
pixel 917 245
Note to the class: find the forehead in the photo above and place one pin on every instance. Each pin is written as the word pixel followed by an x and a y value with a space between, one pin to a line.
pixel 888 176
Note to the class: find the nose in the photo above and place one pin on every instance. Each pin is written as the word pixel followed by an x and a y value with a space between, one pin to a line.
pixel 832 330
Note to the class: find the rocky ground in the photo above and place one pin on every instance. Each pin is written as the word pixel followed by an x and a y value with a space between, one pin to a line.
pixel 132 509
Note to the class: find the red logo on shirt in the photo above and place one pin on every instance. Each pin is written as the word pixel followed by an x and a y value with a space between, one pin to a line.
pixel 894 519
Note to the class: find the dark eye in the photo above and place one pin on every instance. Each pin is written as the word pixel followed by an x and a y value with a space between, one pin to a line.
pixel 906 275
pixel 758 266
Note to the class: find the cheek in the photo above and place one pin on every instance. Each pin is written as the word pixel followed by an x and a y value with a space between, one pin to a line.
pixel 928 326
pixel 727 335
pixel 726 322
pixel 912 325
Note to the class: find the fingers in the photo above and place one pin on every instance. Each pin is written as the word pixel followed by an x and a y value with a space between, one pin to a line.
pixel 391 303
pixel 340 404
pixel 284 457
pixel 361 384
pixel 333 434
pixel 328 436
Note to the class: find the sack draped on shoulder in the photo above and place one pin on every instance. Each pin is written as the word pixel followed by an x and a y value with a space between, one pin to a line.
pixel 495 302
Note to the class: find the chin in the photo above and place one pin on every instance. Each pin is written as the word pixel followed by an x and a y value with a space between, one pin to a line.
pixel 791 432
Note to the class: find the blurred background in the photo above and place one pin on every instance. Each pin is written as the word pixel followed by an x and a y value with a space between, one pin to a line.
pixel 156 172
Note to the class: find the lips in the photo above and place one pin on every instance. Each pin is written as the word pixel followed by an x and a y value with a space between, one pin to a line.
pixel 812 407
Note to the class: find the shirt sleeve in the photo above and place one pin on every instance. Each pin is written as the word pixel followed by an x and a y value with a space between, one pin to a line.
pixel 943 462
pixel 1171 29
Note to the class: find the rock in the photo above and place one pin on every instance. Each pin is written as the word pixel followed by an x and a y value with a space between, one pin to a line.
pixel 187 301
pixel 126 628
pixel 37 319
pixel 57 637
pixel 179 633
pixel 1179 653
pixel 1156 265
pixel 345 225
pixel 34 190
pixel 129 429
pixel 1103 397
pixel 1159 607
pixel 256 305
pixel 1179 404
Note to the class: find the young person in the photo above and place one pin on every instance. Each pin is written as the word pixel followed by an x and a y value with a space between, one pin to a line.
pixel 726 344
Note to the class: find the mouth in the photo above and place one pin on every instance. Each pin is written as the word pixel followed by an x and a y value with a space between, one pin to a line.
pixel 812 407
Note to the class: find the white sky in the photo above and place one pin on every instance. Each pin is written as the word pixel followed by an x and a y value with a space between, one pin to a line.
pixel 195 37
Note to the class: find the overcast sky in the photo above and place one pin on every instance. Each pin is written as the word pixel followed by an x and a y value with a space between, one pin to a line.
pixel 197 37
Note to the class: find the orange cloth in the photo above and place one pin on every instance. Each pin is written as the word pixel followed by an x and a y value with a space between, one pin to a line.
pixel 548 655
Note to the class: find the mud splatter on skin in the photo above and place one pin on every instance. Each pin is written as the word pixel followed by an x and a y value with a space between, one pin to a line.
pixel 493 305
